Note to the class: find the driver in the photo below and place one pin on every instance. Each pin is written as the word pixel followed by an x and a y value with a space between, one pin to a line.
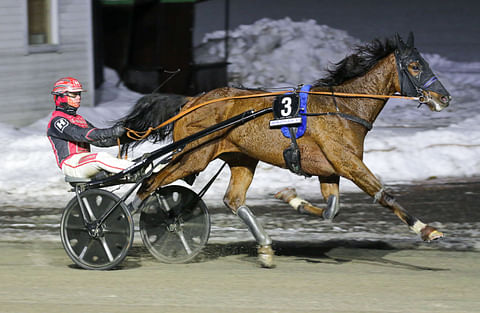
pixel 71 135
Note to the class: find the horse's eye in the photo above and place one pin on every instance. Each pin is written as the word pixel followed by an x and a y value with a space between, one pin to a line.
pixel 415 67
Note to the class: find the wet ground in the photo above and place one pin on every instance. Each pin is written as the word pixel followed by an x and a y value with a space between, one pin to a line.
pixel 450 205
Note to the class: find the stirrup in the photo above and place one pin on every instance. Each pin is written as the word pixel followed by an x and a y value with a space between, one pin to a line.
pixel 76 180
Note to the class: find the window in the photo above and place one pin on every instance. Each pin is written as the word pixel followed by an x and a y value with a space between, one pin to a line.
pixel 42 23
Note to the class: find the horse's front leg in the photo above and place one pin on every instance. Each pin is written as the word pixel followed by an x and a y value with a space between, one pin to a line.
pixel 355 170
pixel 426 232
pixel 241 176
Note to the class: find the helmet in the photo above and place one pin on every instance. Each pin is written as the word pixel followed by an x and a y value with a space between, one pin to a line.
pixel 61 87
pixel 66 84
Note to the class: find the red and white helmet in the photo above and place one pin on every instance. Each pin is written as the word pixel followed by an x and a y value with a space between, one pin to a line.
pixel 61 90
pixel 66 84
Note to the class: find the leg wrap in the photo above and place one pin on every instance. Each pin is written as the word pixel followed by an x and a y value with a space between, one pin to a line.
pixel 389 201
pixel 254 226
pixel 378 196
pixel 332 208
pixel 384 198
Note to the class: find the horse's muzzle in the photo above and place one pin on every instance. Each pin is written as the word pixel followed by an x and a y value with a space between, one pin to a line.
pixel 435 101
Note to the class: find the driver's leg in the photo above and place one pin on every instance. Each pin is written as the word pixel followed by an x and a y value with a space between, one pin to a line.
pixel 87 165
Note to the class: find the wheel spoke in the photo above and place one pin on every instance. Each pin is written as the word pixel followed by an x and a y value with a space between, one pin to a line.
pixel 77 228
pixel 82 254
pixel 85 249
pixel 106 248
pixel 115 232
pixel 184 242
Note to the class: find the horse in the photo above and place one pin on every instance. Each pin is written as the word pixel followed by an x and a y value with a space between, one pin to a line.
pixel 331 147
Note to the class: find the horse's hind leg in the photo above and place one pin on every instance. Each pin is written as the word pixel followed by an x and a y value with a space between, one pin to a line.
pixel 242 172
pixel 330 192
pixel 187 165
pixel 289 195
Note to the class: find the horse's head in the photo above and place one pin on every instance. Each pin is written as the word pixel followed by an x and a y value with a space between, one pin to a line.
pixel 416 78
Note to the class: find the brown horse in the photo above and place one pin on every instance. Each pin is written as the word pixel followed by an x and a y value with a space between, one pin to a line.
pixel 332 145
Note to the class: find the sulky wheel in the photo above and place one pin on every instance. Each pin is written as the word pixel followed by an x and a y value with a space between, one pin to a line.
pixel 174 224
pixel 92 246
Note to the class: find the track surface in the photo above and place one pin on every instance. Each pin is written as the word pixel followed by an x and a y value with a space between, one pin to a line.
pixel 373 273
pixel 40 278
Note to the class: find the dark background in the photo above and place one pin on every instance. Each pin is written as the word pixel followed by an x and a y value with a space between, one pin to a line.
pixel 143 39
pixel 450 28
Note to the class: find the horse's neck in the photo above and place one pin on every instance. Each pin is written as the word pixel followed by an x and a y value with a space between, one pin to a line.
pixel 380 80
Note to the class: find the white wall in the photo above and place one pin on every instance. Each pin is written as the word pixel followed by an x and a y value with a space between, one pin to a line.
pixel 26 78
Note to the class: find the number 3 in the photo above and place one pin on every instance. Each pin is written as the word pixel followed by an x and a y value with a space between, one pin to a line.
pixel 287 106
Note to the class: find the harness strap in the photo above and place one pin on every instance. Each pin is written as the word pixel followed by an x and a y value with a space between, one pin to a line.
pixel 334 99
pixel 346 116
pixel 300 130
pixel 139 135
pixel 291 155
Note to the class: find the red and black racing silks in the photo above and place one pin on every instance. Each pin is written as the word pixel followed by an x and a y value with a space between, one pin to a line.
pixel 69 133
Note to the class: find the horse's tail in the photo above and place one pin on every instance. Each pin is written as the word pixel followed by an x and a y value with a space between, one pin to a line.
pixel 150 111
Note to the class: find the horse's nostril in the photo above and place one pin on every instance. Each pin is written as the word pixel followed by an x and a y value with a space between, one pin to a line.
pixel 445 99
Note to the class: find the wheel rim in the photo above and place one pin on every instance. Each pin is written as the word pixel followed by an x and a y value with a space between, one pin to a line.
pixel 174 224
pixel 111 243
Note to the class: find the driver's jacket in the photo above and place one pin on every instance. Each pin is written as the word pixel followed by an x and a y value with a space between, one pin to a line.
pixel 69 133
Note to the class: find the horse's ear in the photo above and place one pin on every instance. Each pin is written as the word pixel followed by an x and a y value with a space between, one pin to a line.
pixel 399 42
pixel 410 40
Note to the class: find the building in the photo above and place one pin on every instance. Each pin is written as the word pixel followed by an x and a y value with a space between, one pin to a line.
pixel 41 41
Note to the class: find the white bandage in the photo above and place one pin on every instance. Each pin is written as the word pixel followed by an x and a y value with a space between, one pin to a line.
pixel 418 226
pixel 296 202
pixel 378 196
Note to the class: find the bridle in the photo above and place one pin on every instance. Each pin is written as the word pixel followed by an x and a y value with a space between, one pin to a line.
pixel 419 85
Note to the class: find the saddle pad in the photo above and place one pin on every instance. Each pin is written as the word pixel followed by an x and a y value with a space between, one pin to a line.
pixel 303 109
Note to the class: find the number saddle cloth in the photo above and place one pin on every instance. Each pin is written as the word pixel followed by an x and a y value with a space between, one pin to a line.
pixel 289 114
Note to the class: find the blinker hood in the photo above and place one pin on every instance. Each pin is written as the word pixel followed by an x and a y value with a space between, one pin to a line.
pixel 413 85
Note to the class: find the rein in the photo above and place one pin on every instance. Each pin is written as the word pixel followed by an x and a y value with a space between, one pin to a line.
pixel 140 135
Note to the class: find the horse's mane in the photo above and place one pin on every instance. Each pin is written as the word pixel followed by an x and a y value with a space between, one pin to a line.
pixel 358 63
pixel 149 111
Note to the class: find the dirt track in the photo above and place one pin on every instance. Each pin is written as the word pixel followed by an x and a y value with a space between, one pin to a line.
pixel 41 278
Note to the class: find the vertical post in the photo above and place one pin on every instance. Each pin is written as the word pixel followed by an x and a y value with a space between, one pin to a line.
pixel 227 26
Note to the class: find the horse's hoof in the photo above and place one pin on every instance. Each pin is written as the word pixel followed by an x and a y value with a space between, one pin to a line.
pixel 265 256
pixel 430 233
pixel 286 194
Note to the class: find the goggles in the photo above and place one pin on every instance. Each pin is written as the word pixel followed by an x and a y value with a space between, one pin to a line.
pixel 73 94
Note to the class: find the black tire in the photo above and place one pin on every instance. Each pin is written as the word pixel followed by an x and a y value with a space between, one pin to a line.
pixel 111 246
pixel 174 224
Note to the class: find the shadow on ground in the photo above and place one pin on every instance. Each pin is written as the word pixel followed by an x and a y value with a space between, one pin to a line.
pixel 331 252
